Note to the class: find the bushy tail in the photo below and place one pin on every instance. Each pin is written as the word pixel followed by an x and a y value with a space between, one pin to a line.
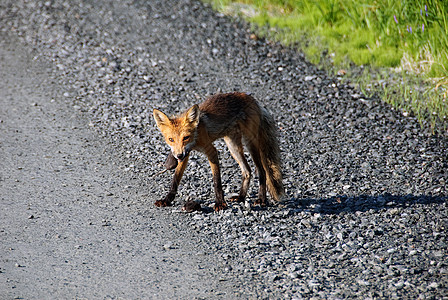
pixel 270 156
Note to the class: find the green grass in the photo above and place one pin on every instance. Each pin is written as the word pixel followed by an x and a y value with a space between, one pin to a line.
pixel 393 39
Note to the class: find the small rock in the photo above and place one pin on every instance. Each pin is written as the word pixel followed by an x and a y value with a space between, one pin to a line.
pixel 433 285
pixel 363 282
pixel 313 282
pixel 293 275
pixel 438 253
pixel 309 78
pixel 399 285
pixel 169 246
pixel 191 206
pixel 393 211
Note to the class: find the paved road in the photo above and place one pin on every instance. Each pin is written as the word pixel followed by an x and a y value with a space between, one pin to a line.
pixel 69 226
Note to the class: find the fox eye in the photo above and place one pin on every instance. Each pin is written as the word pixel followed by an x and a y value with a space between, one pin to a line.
pixel 186 138
pixel 171 140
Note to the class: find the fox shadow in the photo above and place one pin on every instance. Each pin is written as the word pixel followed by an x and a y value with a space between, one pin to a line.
pixel 361 203
pixel 346 204
pixel 336 204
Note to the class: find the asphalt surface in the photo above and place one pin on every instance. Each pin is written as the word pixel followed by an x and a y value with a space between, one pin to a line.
pixel 70 226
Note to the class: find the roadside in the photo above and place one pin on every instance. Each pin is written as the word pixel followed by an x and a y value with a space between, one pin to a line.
pixel 73 224
pixel 369 44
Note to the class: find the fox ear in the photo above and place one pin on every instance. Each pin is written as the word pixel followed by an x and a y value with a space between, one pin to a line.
pixel 192 115
pixel 160 117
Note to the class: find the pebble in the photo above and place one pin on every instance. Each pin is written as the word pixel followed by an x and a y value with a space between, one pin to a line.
pixel 309 77
pixel 169 246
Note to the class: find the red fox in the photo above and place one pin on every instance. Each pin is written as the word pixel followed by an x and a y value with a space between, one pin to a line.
pixel 238 119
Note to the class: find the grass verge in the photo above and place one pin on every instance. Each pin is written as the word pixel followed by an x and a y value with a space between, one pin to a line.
pixel 400 46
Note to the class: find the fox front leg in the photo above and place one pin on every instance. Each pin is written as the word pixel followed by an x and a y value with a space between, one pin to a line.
pixel 167 201
pixel 212 156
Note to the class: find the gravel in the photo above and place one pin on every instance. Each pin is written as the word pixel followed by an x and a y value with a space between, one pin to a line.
pixel 366 213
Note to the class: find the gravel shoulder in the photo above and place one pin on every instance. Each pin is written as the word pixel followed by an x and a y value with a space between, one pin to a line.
pixel 366 213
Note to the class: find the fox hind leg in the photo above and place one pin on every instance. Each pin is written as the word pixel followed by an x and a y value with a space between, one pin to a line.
pixel 235 146
pixel 255 153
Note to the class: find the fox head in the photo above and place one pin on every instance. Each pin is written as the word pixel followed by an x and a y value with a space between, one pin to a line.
pixel 179 132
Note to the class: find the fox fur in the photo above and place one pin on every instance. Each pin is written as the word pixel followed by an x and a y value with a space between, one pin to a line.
pixel 237 118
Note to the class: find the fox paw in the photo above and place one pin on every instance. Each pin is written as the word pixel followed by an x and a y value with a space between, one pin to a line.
pixel 220 206
pixel 260 202
pixel 161 203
